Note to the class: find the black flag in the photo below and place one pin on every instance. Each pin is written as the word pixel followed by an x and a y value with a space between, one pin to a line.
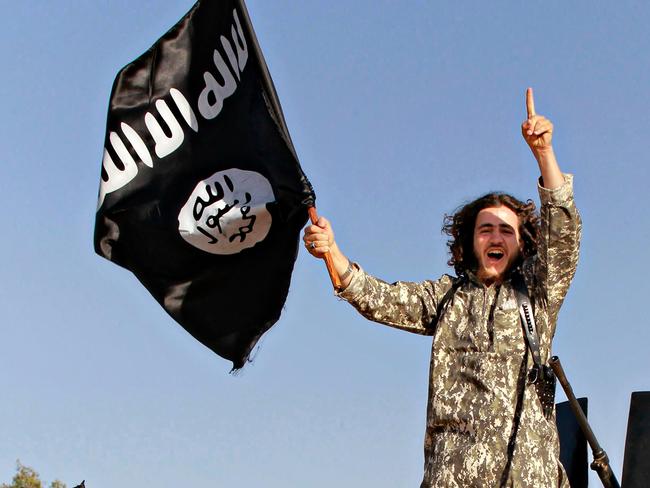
pixel 201 195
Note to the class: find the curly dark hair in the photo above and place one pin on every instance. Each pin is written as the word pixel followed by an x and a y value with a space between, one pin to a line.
pixel 460 228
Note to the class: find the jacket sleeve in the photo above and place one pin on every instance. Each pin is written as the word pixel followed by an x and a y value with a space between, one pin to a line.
pixel 404 305
pixel 558 249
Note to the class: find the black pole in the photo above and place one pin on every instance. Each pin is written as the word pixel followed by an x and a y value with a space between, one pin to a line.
pixel 600 463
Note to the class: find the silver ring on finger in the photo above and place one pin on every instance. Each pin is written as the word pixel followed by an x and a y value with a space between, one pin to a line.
pixel 313 245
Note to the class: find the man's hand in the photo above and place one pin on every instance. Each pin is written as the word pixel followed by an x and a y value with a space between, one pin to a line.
pixel 536 129
pixel 538 133
pixel 319 237
pixel 319 240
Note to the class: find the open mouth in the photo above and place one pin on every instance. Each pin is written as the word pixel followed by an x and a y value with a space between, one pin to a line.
pixel 495 255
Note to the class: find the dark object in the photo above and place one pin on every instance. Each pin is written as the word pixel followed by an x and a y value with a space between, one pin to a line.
pixel 636 466
pixel 573 444
pixel 82 485
pixel 600 463
pixel 545 388
pixel 201 194
pixel 540 375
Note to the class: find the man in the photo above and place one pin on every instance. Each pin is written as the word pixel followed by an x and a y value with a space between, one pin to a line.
pixel 485 423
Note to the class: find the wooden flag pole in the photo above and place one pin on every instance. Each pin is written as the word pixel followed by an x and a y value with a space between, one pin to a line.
pixel 334 276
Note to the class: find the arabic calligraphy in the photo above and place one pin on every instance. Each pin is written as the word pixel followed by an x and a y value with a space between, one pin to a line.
pixel 227 212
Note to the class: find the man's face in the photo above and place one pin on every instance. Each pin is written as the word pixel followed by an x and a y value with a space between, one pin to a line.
pixel 497 243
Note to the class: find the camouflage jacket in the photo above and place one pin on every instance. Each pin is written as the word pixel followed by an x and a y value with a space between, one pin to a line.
pixel 477 435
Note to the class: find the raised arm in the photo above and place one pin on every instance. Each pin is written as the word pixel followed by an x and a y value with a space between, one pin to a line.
pixel 404 305
pixel 557 254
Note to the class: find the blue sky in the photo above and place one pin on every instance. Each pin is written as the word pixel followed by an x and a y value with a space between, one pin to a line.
pixel 399 111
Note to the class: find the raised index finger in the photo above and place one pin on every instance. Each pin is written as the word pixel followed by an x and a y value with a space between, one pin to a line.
pixel 530 103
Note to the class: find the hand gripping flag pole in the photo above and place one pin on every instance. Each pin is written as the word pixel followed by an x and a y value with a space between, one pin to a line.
pixel 334 276
pixel 311 206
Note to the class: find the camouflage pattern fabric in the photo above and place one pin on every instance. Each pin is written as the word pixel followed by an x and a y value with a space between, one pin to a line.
pixel 481 431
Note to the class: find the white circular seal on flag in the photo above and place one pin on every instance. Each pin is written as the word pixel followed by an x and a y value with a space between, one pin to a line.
pixel 226 213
